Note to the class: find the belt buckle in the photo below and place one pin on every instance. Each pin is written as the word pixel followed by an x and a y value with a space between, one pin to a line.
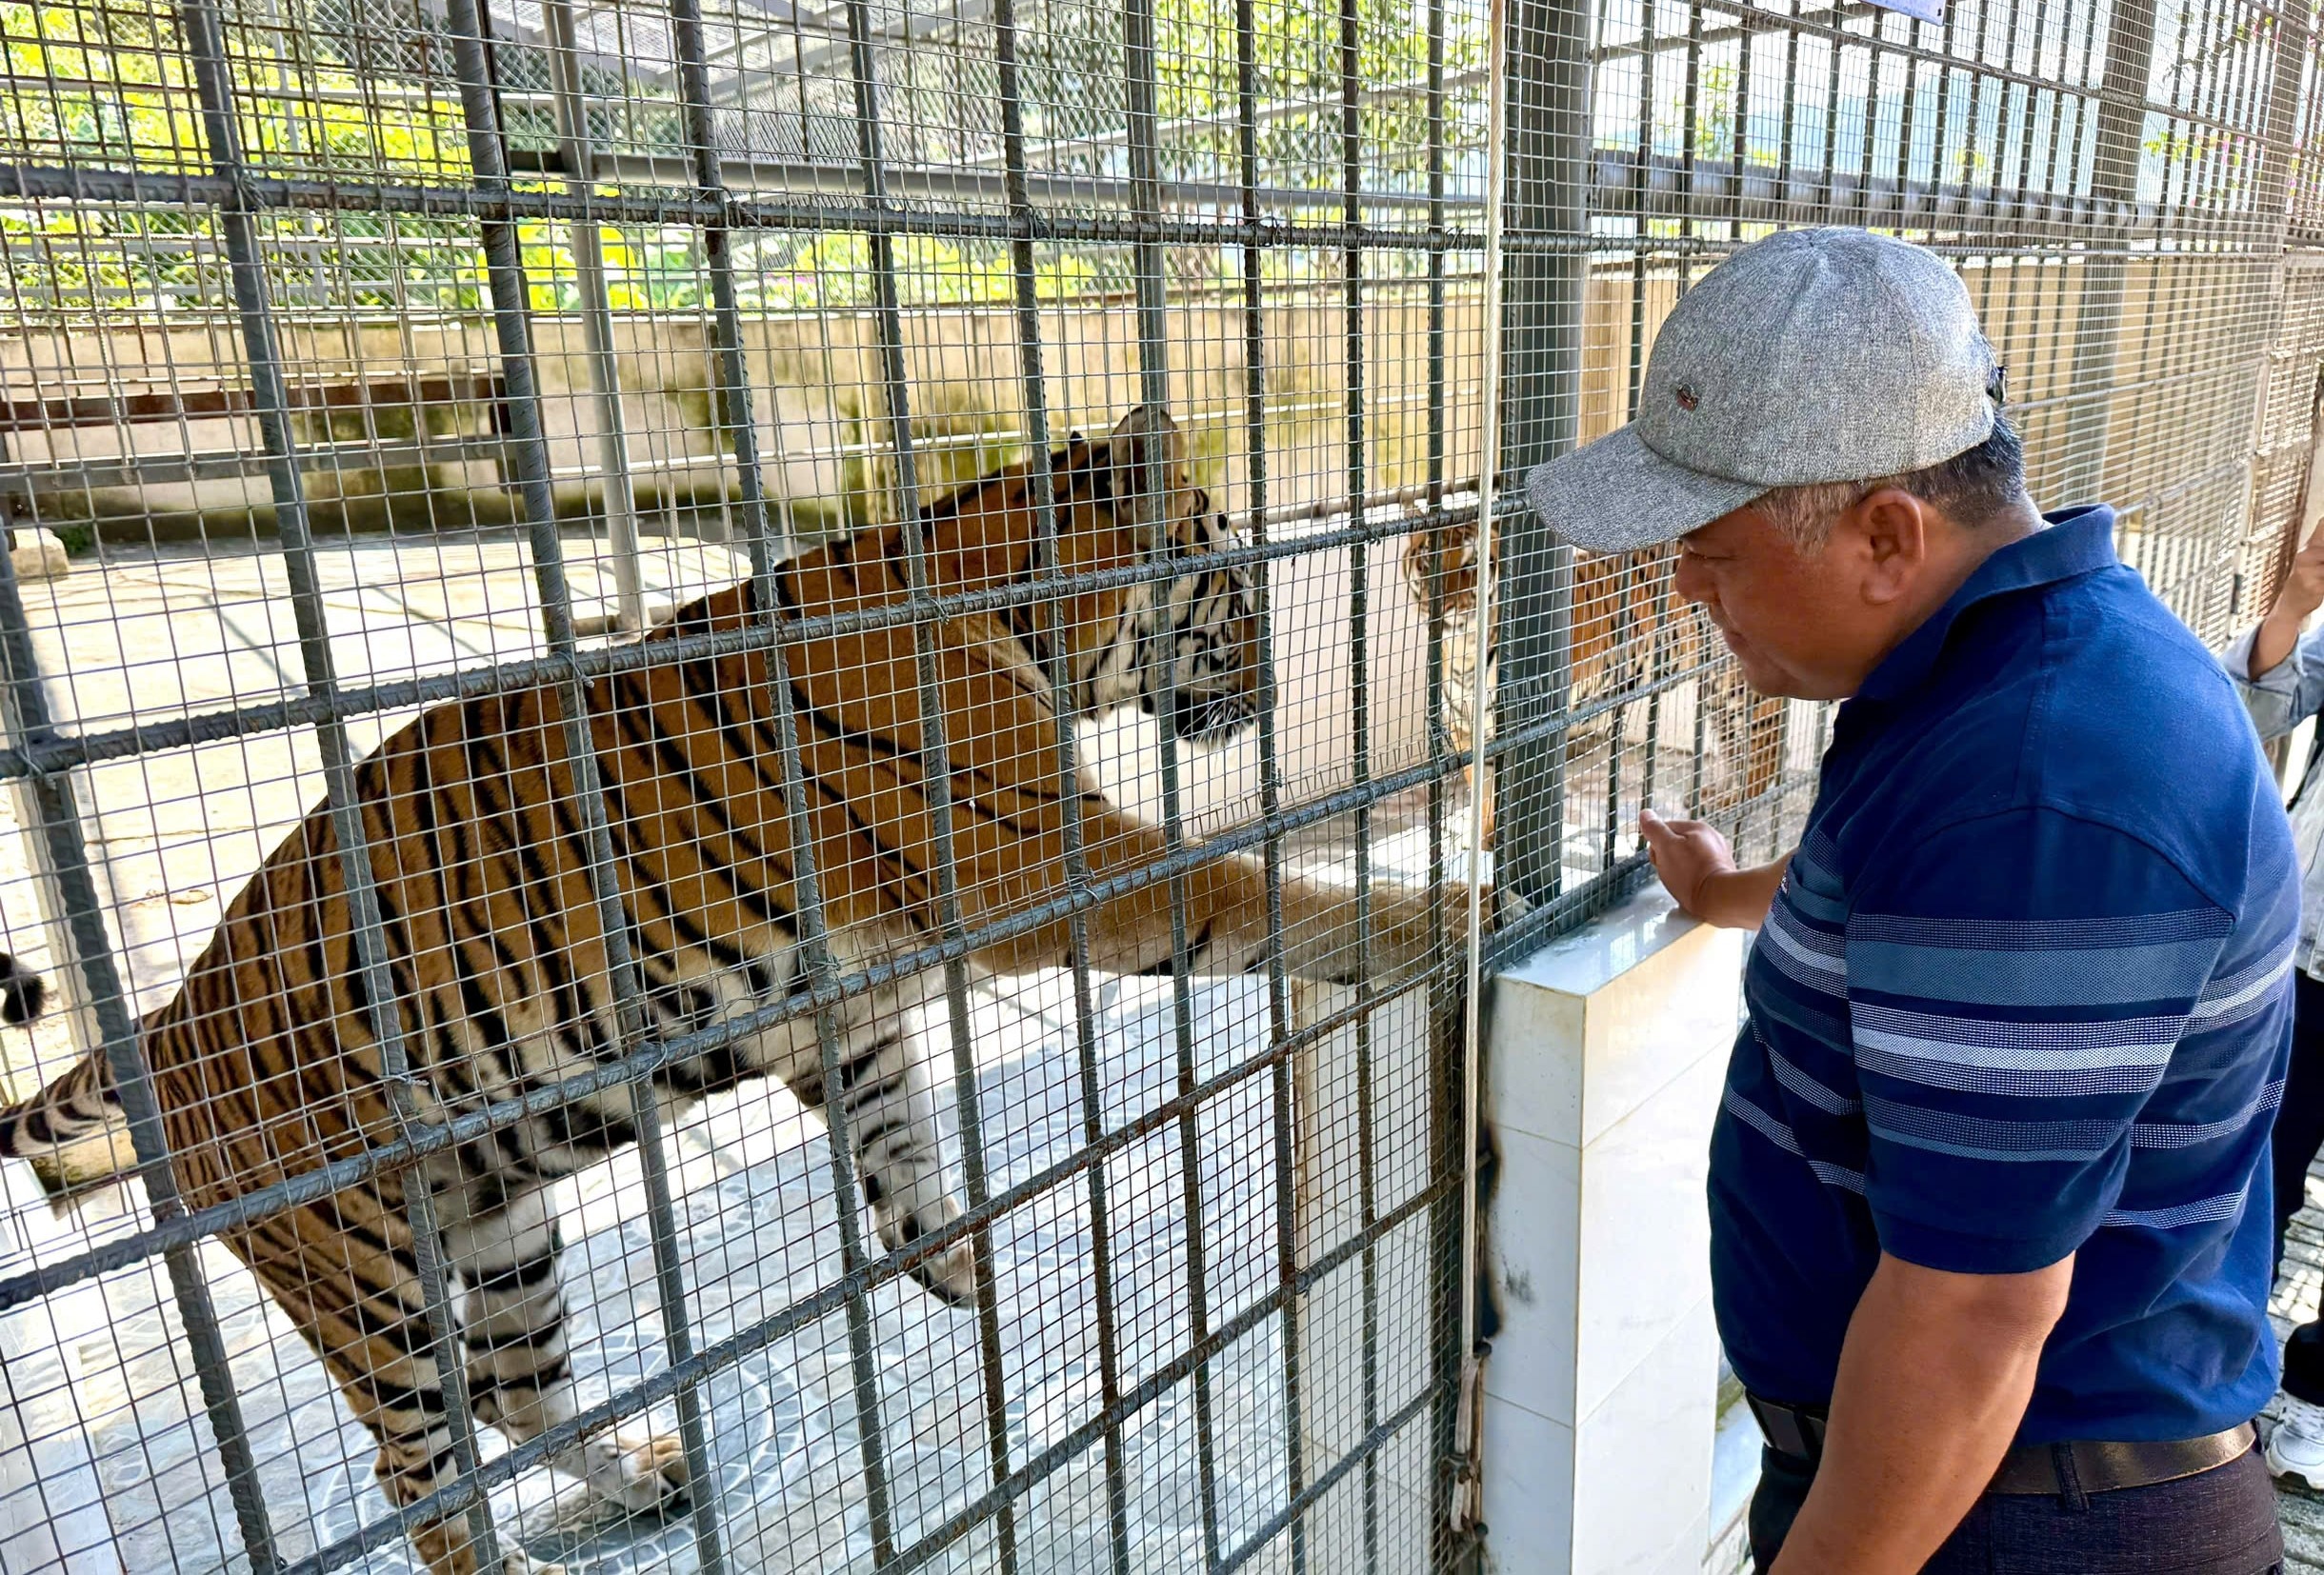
pixel 1788 1429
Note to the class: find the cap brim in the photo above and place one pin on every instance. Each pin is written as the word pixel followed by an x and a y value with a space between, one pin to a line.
pixel 1618 496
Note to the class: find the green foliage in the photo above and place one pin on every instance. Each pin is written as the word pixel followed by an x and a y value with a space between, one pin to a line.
pixel 110 82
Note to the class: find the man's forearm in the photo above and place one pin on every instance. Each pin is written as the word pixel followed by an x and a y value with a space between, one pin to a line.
pixel 2278 633
pixel 1934 1381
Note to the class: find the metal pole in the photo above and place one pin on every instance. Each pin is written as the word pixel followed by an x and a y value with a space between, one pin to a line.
pixel 935 750
pixel 55 825
pixel 1139 75
pixel 368 938
pixel 1469 1489
pixel 1054 615
pixel 597 319
pixel 2097 333
pixel 1285 1089
pixel 1536 412
pixel 512 330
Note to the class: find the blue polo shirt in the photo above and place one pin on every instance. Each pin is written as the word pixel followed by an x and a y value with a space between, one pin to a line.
pixel 2025 991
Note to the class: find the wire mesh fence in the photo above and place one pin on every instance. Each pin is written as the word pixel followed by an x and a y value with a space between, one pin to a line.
pixel 749 801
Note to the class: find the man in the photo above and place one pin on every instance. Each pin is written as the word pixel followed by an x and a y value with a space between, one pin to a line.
pixel 1989 1204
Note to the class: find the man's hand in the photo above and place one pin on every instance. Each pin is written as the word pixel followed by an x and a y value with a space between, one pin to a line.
pixel 1934 1377
pixel 2302 593
pixel 1698 870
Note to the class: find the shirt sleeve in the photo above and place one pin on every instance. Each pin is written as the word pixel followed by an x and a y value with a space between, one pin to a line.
pixel 2016 986
pixel 2287 694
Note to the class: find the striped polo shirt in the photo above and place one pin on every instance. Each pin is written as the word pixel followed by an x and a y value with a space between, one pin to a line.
pixel 2025 992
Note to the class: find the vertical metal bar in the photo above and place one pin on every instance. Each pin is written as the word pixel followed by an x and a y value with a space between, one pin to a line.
pixel 1446 1134
pixel 1069 783
pixel 1032 378
pixel 936 774
pixel 1548 108
pixel 1872 119
pixel 1153 388
pixel 513 331
pixel 205 41
pixel 737 412
pixel 1741 154
pixel 1285 1125
pixel 1359 689
pixel 56 828
pixel 597 317
pixel 2271 209
pixel 2122 88
pixel 1501 34
pixel 1827 193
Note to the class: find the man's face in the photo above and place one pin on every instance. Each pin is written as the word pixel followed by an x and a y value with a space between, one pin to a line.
pixel 1798 622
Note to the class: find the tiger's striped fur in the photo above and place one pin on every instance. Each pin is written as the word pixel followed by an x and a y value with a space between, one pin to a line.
pixel 265 1064
pixel 1625 612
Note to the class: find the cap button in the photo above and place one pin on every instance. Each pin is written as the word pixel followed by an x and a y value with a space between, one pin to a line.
pixel 1685 398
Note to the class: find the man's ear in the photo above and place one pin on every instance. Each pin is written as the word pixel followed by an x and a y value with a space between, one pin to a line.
pixel 1893 528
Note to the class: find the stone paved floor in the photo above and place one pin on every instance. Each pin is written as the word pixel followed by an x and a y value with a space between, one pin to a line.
pixel 2296 1297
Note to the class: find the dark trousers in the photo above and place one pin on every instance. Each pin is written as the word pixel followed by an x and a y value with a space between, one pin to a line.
pixel 2299 1131
pixel 2220 1522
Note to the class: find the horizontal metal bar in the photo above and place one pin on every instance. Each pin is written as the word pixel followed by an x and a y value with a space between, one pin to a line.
pixel 32 760
pixel 1669 187
pixel 424 1139
pixel 45 477
pixel 952 183
pixel 149 407
pixel 682 204
pixel 1616 181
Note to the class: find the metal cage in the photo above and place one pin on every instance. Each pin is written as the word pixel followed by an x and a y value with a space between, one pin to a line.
pixel 368 361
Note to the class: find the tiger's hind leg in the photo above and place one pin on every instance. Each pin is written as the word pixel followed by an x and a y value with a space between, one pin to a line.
pixel 519 1371
pixel 343 1270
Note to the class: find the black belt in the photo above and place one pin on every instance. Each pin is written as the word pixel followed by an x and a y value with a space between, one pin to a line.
pixel 2037 1469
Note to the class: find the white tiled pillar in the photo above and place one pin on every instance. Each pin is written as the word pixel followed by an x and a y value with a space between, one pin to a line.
pixel 1604 1061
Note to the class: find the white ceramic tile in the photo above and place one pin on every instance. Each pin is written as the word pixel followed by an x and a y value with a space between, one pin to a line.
pixel 1645 1027
pixel 1533 1059
pixel 1528 1490
pixel 1530 1258
pixel 1626 935
pixel 1645 1228
pixel 1642 1458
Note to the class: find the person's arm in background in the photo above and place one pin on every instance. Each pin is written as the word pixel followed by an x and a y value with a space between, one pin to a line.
pixel 2279 674
pixel 1698 870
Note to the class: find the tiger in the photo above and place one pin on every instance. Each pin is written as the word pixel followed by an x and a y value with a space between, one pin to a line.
pixel 1624 611
pixel 265 1065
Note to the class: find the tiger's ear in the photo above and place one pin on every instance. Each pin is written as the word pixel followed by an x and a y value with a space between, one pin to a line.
pixel 1147 436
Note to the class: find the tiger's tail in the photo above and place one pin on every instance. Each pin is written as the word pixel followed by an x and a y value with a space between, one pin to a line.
pixel 79 1107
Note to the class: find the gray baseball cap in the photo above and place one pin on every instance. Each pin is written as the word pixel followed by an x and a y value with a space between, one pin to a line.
pixel 1813 355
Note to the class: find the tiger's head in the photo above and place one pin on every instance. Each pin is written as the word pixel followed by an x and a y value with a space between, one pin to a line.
pixel 1185 649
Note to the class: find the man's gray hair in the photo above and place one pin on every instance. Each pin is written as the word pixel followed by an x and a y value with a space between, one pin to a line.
pixel 1972 488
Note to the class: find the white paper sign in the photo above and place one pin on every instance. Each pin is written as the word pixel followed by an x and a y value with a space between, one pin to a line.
pixel 1928 10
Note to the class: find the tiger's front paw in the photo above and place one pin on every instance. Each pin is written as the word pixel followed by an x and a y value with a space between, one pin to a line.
pixel 950 1276
pixel 638 1471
